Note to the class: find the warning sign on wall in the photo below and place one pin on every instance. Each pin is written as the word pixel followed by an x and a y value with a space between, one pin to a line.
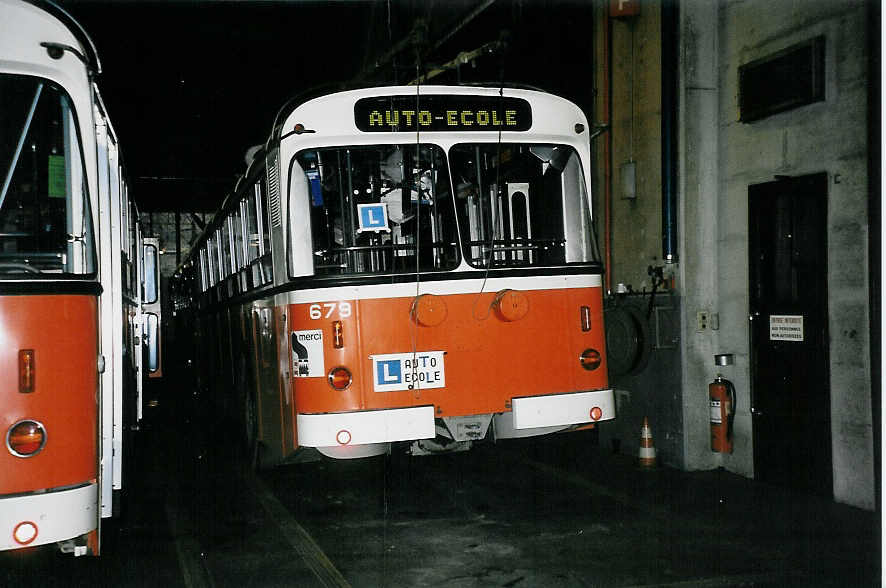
pixel 784 327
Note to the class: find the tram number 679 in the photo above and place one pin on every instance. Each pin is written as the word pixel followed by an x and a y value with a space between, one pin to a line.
pixel 327 309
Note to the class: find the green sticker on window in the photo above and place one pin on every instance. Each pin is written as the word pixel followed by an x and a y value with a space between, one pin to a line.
pixel 57 182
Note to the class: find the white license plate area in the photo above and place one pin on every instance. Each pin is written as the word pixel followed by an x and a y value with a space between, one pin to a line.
pixel 408 371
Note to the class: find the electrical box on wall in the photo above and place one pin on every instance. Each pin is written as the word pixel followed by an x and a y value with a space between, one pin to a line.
pixel 624 8
pixel 629 180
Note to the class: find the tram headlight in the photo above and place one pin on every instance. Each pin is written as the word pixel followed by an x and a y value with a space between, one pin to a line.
pixel 25 438
pixel 340 377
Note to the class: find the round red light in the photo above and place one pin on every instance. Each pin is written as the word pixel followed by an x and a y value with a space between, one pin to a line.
pixel 343 437
pixel 25 532
pixel 339 378
pixel 25 438
pixel 590 359
pixel 596 413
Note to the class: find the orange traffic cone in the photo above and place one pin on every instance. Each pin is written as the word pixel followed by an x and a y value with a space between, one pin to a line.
pixel 647 448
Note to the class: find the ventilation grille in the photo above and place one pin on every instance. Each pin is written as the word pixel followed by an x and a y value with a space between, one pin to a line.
pixel 782 81
pixel 274 191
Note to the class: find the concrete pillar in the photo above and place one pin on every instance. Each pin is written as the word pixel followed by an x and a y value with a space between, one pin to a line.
pixel 698 219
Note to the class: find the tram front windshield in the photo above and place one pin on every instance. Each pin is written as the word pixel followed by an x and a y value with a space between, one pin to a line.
pixel 407 208
pixel 45 227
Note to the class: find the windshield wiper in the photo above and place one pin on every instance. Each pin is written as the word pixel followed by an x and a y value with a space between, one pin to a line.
pixel 21 143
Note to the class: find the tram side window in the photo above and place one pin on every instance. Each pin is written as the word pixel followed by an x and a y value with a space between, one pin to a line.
pixel 258 249
pixel 212 261
pixel 226 248
pixel 45 221
pixel 237 225
pixel 151 284
pixel 251 231
pixel 267 272
pixel 125 230
pixel 132 243
pixel 374 209
pixel 218 256
pixel 204 271
pixel 522 205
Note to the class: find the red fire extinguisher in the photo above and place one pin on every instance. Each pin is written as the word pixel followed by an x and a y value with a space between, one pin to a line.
pixel 722 397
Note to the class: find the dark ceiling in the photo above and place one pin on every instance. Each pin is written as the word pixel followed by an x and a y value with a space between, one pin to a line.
pixel 190 86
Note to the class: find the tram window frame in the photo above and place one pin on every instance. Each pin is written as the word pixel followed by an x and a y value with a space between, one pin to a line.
pixel 204 275
pixel 262 268
pixel 253 244
pixel 239 251
pixel 132 243
pixel 544 183
pixel 230 253
pixel 335 179
pixel 152 285
pixel 125 229
pixel 219 256
pixel 52 127
pixel 212 260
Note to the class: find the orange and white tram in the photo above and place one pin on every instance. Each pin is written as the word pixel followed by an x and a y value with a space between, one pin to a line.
pixel 406 264
pixel 70 293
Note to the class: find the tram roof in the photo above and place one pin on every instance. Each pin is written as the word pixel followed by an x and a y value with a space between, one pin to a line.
pixel 89 54
pixel 342 90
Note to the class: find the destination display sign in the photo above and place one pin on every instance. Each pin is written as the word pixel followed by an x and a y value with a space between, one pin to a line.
pixel 437 112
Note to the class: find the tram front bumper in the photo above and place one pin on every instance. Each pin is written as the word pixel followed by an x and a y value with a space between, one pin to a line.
pixel 554 410
pixel 366 427
pixel 56 516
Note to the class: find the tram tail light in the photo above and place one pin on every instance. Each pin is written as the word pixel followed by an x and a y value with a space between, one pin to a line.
pixel 27 371
pixel 338 339
pixel 25 438
pixel 340 377
pixel 590 359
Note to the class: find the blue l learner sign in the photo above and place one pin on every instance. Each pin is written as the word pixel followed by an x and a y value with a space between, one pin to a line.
pixel 408 371
pixel 372 217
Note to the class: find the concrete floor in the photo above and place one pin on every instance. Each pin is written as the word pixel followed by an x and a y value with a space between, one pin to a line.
pixel 558 511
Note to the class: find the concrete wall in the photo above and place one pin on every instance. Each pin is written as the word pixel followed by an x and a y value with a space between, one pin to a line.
pixel 698 143
pixel 826 136
pixel 719 158
pixel 636 122
pixel 635 133
pixel 652 390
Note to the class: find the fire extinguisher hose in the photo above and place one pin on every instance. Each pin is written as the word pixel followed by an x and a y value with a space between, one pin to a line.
pixel 732 408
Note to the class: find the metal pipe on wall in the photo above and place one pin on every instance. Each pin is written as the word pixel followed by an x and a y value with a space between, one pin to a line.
pixel 669 69
pixel 607 149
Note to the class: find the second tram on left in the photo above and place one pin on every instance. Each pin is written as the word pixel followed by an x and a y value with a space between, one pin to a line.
pixel 72 269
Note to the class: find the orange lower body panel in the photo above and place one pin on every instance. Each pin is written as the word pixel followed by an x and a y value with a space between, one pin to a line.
pixel 62 332
pixel 482 354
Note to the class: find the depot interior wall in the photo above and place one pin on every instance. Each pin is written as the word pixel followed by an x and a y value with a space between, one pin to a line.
pixel 636 133
pixel 635 119
pixel 698 179
pixel 828 136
